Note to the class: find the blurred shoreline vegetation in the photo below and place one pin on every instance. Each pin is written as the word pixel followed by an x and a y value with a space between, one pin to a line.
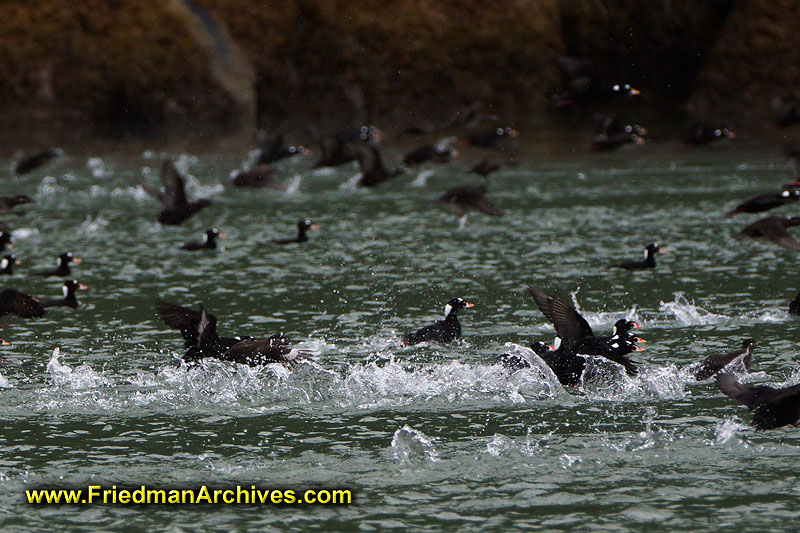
pixel 124 69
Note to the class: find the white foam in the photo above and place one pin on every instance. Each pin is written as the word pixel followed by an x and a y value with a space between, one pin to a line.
pixel 689 314
pixel 411 445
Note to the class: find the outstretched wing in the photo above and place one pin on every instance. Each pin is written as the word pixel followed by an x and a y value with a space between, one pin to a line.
pixel 174 192
pixel 728 385
pixel 777 233
pixel 181 318
pixel 569 324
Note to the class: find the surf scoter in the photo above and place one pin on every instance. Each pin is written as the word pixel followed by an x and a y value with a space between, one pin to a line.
pixel 714 363
pixel 69 299
pixel 430 152
pixel 20 304
pixel 177 208
pixel 373 171
pixel 577 337
pixel 765 202
pixel 794 305
pixel 209 241
pixel 787 113
pixel 459 199
pixel 275 150
pixel 774 229
pixel 772 408
pixel 485 167
pixel 32 162
pixel 62 266
pixel 343 146
pixel 302 227
pixel 701 132
pixel 187 321
pixel 497 139
pixel 443 331
pixel 7 264
pixel 199 329
pixel 259 177
pixel 7 203
pixel 649 259
pixel 5 240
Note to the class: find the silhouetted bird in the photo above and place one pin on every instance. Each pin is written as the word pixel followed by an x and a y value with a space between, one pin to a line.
pixel 485 167
pixel 274 150
pixel 209 241
pixel 7 203
pixel 7 264
pixel 765 202
pixel 258 177
pixel 701 132
pixel 774 229
pixel 649 259
pixel 373 171
pixel 62 266
pixel 787 113
pixel 429 152
pixel 343 146
pixel 444 331
pixel 459 199
pixel 173 197
pixel 772 408
pixel 26 164
pixel 715 363
pixel 302 227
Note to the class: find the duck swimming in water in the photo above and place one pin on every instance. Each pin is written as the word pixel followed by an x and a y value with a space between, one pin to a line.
pixel 444 331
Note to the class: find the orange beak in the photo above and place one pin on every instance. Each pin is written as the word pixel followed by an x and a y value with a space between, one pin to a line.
pixel 551 347
pixel 635 92
pixel 18 262
pixel 82 287
pixel 4 342
pixel 314 227
pixel 638 349
pixel 637 325
pixel 222 236
pixel 77 260
pixel 639 339
pixel 468 305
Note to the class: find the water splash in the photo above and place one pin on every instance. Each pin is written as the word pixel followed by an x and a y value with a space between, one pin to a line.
pixel 294 184
pixel 726 429
pixel 688 314
pixel 422 178
pixel 82 377
pixel 411 445
pixel 93 225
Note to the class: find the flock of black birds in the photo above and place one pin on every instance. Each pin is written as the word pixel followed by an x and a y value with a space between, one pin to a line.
pixel 575 340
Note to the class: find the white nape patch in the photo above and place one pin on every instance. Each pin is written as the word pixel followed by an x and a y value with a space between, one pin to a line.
pixel 447 309
pixel 785 194
pixel 615 345
pixel 64 290
pixel 557 343
pixel 645 253
pixel 462 222
pixel 615 336
pixel 58 261
pixel 3 264
pixel 205 238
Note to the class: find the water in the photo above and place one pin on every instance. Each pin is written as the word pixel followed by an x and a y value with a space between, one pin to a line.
pixel 426 437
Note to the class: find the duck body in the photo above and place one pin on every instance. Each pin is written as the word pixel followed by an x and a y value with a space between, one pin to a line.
pixel 442 332
pixel 302 228
pixel 176 208
pixel 209 241
pixel 7 203
pixel 715 363
pixel 259 177
pixel 459 199
pixel 69 299
pixel 34 161
pixel 649 259
pixel 774 229
pixel 765 202
pixel 62 269
pixel 7 264
pixel 18 303
pixel 772 408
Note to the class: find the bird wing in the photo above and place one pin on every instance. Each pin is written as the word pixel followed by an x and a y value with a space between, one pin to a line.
pixel 183 319
pixel 158 195
pixel 569 324
pixel 777 233
pixel 174 191
pixel 477 199
pixel 20 304
pixel 274 349
pixel 728 385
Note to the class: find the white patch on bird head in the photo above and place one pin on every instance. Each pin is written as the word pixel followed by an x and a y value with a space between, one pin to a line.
pixel 557 343
pixel 3 263
pixel 447 309
pixel 785 194
pixel 615 336
pixel 615 345
pixel 64 290
pixel 646 251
